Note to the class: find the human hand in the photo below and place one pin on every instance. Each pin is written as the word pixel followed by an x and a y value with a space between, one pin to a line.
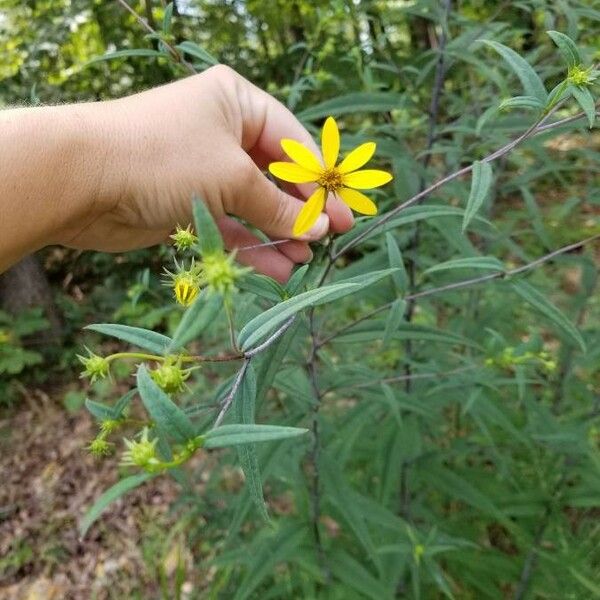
pixel 210 135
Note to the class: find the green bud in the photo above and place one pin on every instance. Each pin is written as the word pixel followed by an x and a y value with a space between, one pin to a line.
pixel 220 273
pixel 577 75
pixel 99 447
pixel 141 453
pixel 184 239
pixel 170 377
pixel 109 426
pixel 95 367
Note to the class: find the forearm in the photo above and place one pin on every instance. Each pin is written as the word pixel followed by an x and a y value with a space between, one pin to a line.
pixel 52 162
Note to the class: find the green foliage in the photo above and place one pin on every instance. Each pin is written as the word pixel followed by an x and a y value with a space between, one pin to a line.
pixel 453 445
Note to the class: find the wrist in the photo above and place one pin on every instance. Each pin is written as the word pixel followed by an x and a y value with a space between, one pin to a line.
pixel 94 159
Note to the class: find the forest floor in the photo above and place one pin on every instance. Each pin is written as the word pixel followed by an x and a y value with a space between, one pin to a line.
pixel 47 482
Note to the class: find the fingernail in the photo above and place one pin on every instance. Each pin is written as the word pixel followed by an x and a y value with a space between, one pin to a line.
pixel 318 230
pixel 309 257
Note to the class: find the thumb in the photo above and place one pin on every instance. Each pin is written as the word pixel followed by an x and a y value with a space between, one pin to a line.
pixel 261 203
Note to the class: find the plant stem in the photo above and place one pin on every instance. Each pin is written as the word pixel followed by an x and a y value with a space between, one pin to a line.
pixel 230 325
pixel 465 283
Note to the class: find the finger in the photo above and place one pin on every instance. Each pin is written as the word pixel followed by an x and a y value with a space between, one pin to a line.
pixel 295 250
pixel 261 203
pixel 340 216
pixel 262 137
pixel 266 260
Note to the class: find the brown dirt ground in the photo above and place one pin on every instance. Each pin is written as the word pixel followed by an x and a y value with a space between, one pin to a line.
pixel 47 482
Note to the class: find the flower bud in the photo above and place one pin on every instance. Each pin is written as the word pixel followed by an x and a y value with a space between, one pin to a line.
pixel 186 287
pixel 219 272
pixel 170 377
pixel 99 447
pixel 577 75
pixel 183 239
pixel 95 366
pixel 141 453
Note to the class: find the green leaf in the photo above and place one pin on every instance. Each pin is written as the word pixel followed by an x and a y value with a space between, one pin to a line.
pixel 261 325
pixel 541 303
pixel 232 435
pixel 412 214
pixel 110 495
pixel 209 236
pixel 586 101
pixel 132 52
pixel 352 103
pixel 262 286
pixel 394 318
pixel 123 402
pixel 102 412
pixel 296 280
pixel 567 48
pixel 197 52
pixel 355 576
pixel 486 263
pixel 521 102
pixel 165 413
pixel 245 402
pixel 400 277
pixel 530 80
pixel 144 338
pixel 200 315
pixel 481 182
pixel 167 19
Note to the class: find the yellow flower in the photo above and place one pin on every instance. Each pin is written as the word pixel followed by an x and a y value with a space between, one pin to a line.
pixel 186 287
pixel 344 179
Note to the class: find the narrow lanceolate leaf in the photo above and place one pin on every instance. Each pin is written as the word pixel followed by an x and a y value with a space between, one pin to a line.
pixel 296 280
pixel 261 325
pixel 412 214
pixel 123 402
pixel 233 435
pixel 262 286
pixel 209 237
pixel 543 305
pixel 254 331
pixel 394 318
pixel 530 80
pixel 480 186
pixel 245 402
pixel 566 47
pixel 132 52
pixel 400 277
pixel 521 102
pixel 200 315
pixel 164 412
pixel 354 102
pixel 167 19
pixel 485 263
pixel 102 412
pixel 197 52
pixel 109 496
pixel 143 338
pixel 586 101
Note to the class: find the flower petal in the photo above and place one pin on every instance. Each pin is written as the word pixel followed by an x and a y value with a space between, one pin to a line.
pixel 310 212
pixel 301 155
pixel 357 201
pixel 367 179
pixel 330 142
pixel 292 172
pixel 357 158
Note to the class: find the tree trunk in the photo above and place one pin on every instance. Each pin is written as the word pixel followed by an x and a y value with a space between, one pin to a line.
pixel 24 286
